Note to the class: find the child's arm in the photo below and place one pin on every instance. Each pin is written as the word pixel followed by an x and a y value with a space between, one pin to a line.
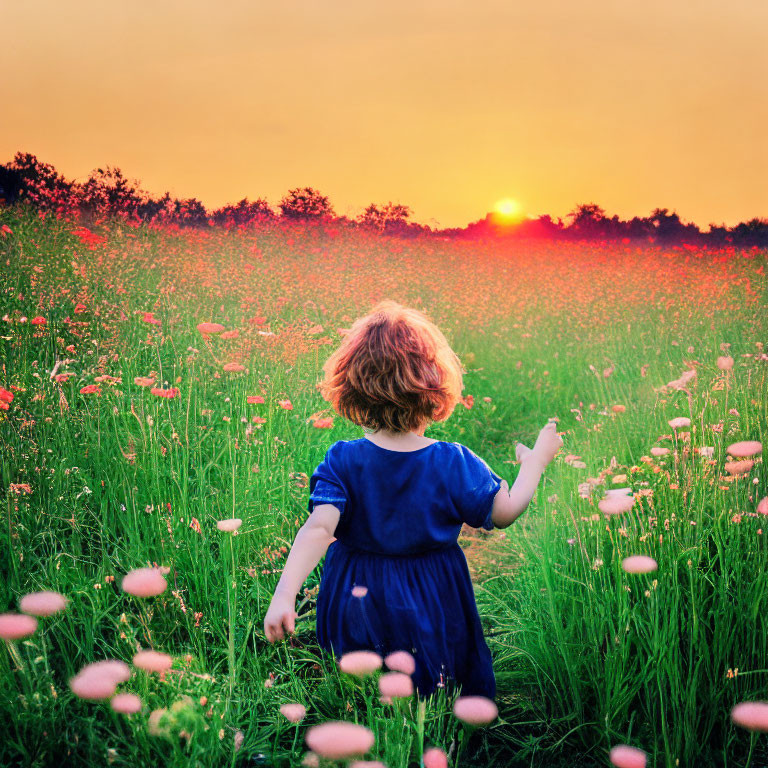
pixel 510 503
pixel 309 546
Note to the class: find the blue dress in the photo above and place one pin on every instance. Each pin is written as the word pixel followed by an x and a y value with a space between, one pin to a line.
pixel 401 514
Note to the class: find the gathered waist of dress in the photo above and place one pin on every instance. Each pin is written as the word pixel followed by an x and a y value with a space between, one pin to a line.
pixel 441 548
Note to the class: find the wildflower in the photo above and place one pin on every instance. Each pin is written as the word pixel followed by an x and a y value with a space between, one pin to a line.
pixel 659 451
pixel 166 393
pixel 144 582
pixel 707 451
pixel 639 564
pixel 623 756
pixel 725 363
pixel 311 760
pixel 80 308
pixel 144 381
pixel 43 603
pixel 38 320
pixel 468 401
pixel 435 758
pixel 744 449
pixel 294 711
pixel 359 591
pixel 476 710
pixel 618 408
pixel 230 334
pixel 100 679
pixel 90 389
pixel 286 404
pixel 738 467
pixel 402 661
pixel 254 399
pixel 126 703
pixel 752 715
pixel 367 764
pixel 323 423
pixel 153 724
pixel 233 367
pixel 152 661
pixel 210 327
pixel 360 662
pixel 16 625
pixel 395 685
pixel 615 505
pixel 762 507
pixel 679 421
pixel 337 740
pixel 230 525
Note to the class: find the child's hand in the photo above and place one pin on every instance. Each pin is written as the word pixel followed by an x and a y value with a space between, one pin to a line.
pixel 521 451
pixel 281 614
pixel 548 443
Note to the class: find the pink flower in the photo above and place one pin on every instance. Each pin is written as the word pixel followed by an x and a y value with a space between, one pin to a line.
pixel 43 603
pixel 435 758
pixel 210 327
pixel 294 711
pixel 127 703
pixel 144 582
pixel 39 320
pixel 752 715
pixel 679 421
pixel 395 685
pixel 310 760
pixel 16 625
pixel 359 591
pixel 623 756
pixel 230 525
pixel 745 448
pixel 230 334
pixel 725 363
pixel 360 662
pixel 616 505
pixel 639 564
pixel 286 404
pixel 326 423
pixel 659 451
pixel 99 679
pixel 402 661
pixel 337 740
pixel 762 506
pixel 367 764
pixel 233 367
pixel 152 661
pixel 476 710
pixel 739 467
pixel 252 399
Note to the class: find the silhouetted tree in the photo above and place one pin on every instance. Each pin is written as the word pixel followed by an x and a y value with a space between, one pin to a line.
pixel 587 220
pixel 305 203
pixel 190 213
pixel 390 219
pixel 40 184
pixel 243 213
pixel 109 193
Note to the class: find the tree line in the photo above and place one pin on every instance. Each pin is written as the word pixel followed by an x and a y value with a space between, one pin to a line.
pixel 108 193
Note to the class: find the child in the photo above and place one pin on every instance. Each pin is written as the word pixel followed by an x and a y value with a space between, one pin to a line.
pixel 395 577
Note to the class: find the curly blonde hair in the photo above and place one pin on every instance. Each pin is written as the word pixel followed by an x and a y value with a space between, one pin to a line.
pixel 394 370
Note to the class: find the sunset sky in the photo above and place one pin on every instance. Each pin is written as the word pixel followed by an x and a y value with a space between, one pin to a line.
pixel 446 107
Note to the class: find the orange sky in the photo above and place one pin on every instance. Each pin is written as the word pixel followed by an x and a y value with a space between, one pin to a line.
pixel 442 106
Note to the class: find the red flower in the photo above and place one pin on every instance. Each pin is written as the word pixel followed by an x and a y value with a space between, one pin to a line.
pixel 5 396
pixel 6 230
pixel 326 423
pixel 38 320
pixel 468 401
pixel 79 307
pixel 167 393
pixel 286 404
pixel 254 399
pixel 91 389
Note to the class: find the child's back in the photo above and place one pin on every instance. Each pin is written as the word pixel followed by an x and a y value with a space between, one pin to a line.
pixel 401 514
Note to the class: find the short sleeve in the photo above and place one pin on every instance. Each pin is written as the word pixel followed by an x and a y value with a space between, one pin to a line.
pixel 474 488
pixel 326 486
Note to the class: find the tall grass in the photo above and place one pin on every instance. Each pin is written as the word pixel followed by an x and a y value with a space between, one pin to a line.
pixel 586 655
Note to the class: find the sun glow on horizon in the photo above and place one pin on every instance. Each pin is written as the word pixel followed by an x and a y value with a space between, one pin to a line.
pixel 508 208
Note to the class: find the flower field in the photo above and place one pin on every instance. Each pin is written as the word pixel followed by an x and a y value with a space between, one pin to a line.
pixel 159 420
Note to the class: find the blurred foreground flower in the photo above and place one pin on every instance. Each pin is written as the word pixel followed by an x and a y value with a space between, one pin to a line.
pixel 360 662
pixel 293 711
pixel 623 756
pixel 401 661
pixel 229 525
pixel 476 710
pixel 127 703
pixel 745 449
pixel 435 758
pixel 152 661
pixel 395 685
pixel 43 603
pixel 210 327
pixel 144 582
pixel 639 564
pixel 16 625
pixel 337 740
pixel 752 715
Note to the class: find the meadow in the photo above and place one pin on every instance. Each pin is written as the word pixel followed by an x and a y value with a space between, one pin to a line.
pixel 127 434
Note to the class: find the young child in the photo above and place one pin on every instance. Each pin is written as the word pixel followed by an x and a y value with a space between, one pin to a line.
pixel 395 577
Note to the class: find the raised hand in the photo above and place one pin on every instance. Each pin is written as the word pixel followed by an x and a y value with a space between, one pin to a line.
pixel 548 443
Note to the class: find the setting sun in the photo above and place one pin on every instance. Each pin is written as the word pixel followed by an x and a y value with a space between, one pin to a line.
pixel 508 207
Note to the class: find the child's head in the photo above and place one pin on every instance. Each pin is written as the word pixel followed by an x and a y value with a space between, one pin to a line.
pixel 394 370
